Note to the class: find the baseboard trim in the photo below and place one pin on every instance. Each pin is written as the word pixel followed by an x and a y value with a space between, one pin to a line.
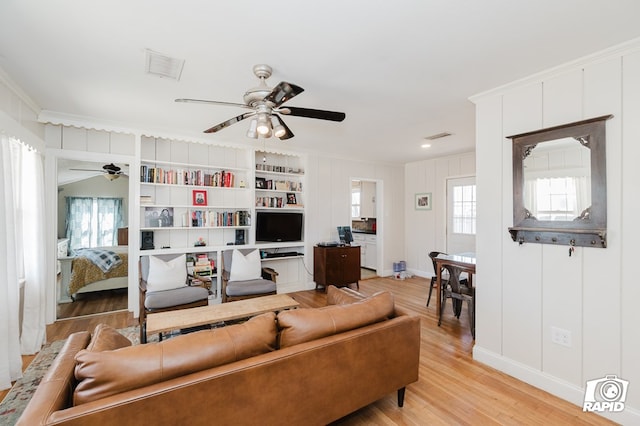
pixel 560 388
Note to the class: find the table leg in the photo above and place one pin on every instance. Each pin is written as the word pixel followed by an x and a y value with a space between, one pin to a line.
pixel 439 289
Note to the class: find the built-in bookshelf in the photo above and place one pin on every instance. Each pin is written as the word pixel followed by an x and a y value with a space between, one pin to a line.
pixel 201 199
pixel 279 181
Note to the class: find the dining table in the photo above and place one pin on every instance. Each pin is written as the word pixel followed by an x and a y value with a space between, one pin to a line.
pixel 456 264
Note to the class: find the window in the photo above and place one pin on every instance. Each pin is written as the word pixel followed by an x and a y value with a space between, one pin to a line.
pixel 355 199
pixel 464 209
pixel 558 198
pixel 93 222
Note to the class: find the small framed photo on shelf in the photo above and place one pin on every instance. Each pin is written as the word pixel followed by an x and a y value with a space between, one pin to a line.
pixel 291 198
pixel 199 197
pixel 261 183
pixel 158 217
pixel 423 201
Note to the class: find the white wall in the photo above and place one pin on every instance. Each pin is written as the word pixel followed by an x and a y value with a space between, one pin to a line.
pixel 329 203
pixel 522 291
pixel 425 230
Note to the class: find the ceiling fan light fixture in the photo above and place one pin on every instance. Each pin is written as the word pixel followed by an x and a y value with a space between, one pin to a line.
pixel 278 129
pixel 110 176
pixel 264 125
pixel 252 133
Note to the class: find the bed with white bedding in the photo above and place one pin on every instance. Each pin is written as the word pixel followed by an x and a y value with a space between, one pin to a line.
pixel 90 270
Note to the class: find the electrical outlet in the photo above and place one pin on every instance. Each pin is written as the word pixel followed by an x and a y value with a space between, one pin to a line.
pixel 561 336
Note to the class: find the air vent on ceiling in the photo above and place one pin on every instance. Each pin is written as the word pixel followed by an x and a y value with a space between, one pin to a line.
pixel 163 65
pixel 438 136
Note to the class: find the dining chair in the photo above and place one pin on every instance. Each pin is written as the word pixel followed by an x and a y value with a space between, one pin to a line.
pixel 444 275
pixel 458 292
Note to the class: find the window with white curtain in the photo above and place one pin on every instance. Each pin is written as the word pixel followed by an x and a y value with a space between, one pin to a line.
pixel 93 221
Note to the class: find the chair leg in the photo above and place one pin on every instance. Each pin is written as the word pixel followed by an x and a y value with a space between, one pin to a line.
pixel 433 279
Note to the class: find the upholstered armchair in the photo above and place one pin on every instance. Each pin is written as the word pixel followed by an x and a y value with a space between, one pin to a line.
pixel 243 276
pixel 164 287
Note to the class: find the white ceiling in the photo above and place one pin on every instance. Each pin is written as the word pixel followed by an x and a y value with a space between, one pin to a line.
pixel 400 70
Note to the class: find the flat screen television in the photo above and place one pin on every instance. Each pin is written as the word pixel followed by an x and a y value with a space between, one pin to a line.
pixel 278 226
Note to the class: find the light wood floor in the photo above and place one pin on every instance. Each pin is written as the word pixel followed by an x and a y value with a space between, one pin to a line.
pixel 452 389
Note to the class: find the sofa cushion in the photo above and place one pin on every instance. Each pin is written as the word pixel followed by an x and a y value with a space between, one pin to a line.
pixel 303 325
pixel 101 374
pixel 342 296
pixel 106 338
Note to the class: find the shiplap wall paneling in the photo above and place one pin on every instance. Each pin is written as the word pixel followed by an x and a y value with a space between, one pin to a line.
pixel 522 274
pixel 98 141
pixel 74 138
pixel 53 136
pixel 491 233
pixel 562 274
pixel 630 290
pixel 122 143
pixel 562 99
pixel 601 286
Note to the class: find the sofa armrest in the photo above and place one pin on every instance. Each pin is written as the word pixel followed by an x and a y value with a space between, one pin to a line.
pixel 55 390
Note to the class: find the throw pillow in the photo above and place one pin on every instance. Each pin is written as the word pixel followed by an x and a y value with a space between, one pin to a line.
pixel 167 275
pixel 101 374
pixel 306 324
pixel 245 267
pixel 106 338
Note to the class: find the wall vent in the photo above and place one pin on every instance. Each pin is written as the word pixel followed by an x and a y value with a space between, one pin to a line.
pixel 162 65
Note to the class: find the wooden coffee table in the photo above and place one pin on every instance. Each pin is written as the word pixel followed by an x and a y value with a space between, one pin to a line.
pixel 203 315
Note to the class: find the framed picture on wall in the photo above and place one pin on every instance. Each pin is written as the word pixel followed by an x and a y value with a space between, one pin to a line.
pixel 423 201
pixel 199 198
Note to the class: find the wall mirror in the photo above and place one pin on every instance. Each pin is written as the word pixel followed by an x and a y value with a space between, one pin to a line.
pixel 559 185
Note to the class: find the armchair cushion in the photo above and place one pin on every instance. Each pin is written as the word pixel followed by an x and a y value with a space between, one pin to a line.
pixel 174 297
pixel 249 287
pixel 167 275
pixel 245 267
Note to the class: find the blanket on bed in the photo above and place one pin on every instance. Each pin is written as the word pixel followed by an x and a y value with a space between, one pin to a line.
pixel 84 272
pixel 103 259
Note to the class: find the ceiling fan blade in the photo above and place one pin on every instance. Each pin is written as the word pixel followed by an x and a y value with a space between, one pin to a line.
pixel 87 170
pixel 283 92
pixel 313 113
pixel 289 134
pixel 203 101
pixel 229 122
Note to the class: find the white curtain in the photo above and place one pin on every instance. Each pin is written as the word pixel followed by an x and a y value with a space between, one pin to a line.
pixel 93 222
pixel 22 256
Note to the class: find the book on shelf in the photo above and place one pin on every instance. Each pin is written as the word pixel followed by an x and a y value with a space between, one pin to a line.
pixel 198 177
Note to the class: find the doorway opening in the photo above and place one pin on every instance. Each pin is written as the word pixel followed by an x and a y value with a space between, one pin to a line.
pixel 366 224
pixel 92 217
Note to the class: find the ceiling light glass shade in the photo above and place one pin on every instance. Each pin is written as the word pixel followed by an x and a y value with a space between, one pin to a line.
pixel 110 176
pixel 278 130
pixel 252 133
pixel 264 125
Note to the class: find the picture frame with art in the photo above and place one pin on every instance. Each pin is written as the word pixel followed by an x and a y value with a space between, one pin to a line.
pixel 199 197
pixel 423 201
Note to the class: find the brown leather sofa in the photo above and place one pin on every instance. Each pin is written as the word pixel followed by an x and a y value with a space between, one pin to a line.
pixel 303 366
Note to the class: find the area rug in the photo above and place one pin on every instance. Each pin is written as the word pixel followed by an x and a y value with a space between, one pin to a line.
pixel 14 403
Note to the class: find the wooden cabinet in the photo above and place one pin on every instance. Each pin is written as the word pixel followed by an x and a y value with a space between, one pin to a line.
pixel 339 266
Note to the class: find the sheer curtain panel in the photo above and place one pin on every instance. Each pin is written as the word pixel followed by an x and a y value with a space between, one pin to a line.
pixel 21 237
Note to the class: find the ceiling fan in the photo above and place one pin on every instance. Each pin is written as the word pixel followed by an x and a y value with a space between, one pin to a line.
pixel 111 171
pixel 265 104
